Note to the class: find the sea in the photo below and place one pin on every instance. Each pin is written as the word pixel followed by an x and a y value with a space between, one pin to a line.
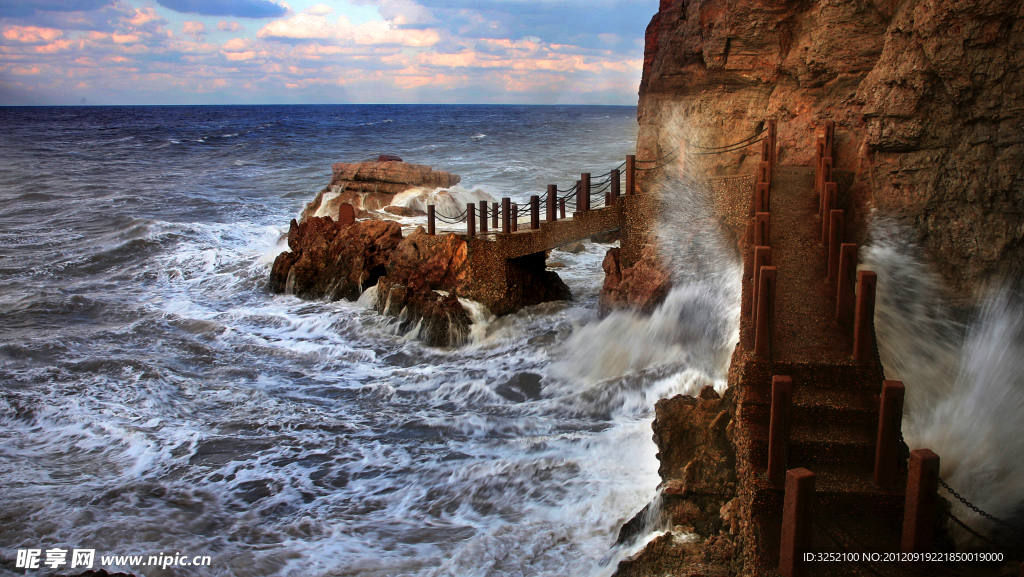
pixel 158 402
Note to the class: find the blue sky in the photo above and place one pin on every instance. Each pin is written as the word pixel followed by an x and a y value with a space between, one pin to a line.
pixel 308 51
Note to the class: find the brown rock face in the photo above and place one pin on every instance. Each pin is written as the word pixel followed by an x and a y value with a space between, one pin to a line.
pixel 334 260
pixel 641 287
pixel 927 95
pixel 698 471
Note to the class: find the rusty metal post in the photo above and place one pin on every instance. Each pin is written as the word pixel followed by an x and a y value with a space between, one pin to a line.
pixel 890 422
pixel 764 172
pixel 585 191
pixel 766 150
pixel 765 311
pixel 830 138
pixel 483 216
pixel 819 153
pixel 616 177
pixel 761 203
pixel 561 208
pixel 534 212
pixel 773 135
pixel 844 294
pixel 762 258
pixel 430 219
pixel 830 205
pixel 631 175
pixel 864 317
pixel 762 222
pixel 552 202
pixel 778 428
pixel 471 220
pixel 826 176
pixel 796 522
pixel 506 209
pixel 494 215
pixel 607 198
pixel 835 220
pixel 514 217
pixel 919 510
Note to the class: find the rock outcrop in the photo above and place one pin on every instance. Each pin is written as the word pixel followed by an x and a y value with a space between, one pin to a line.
pixel 419 278
pixel 641 287
pixel 699 499
pixel 372 185
pixel 927 95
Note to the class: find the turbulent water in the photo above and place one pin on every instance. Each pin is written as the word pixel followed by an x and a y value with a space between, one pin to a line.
pixel 155 398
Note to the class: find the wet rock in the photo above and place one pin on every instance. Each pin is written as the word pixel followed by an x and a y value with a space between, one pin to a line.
pixel 698 470
pixel 573 247
pixel 606 237
pixel 333 260
pixel 694 450
pixel 641 287
pixel 389 158
pixel 521 387
pixel 404 211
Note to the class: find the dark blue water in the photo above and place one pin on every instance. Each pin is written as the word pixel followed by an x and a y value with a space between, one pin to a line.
pixel 156 398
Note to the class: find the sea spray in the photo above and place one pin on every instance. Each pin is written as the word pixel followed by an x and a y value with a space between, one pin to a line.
pixel 965 384
pixel 449 202
pixel 685 344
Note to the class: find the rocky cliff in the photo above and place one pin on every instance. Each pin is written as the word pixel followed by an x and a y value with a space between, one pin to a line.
pixel 927 96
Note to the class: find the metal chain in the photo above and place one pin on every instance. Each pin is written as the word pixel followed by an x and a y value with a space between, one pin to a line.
pixel 739 144
pixel 675 150
pixel 739 147
pixel 1013 528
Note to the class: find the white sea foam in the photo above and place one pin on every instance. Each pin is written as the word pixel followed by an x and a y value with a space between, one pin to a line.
pixel 964 385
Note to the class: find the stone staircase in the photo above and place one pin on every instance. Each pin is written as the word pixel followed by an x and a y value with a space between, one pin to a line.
pixel 833 421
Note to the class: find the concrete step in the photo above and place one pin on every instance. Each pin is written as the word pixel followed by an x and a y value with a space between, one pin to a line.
pixel 838 489
pixel 818 443
pixel 823 406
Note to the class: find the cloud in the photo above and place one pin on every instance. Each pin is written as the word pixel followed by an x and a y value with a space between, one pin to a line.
pixel 309 26
pixel 193 28
pixel 415 51
pixel 405 13
pixel 32 34
pixel 29 7
pixel 319 9
pixel 237 8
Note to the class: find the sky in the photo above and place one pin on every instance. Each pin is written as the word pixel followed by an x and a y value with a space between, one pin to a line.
pixel 69 52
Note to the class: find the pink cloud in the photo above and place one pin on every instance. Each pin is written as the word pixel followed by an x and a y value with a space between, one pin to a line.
pixel 229 26
pixel 193 28
pixel 32 34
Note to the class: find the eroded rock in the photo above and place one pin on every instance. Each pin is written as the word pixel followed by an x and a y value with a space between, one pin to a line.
pixel 641 287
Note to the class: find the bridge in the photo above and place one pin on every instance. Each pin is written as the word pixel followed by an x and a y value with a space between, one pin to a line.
pixel 503 254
